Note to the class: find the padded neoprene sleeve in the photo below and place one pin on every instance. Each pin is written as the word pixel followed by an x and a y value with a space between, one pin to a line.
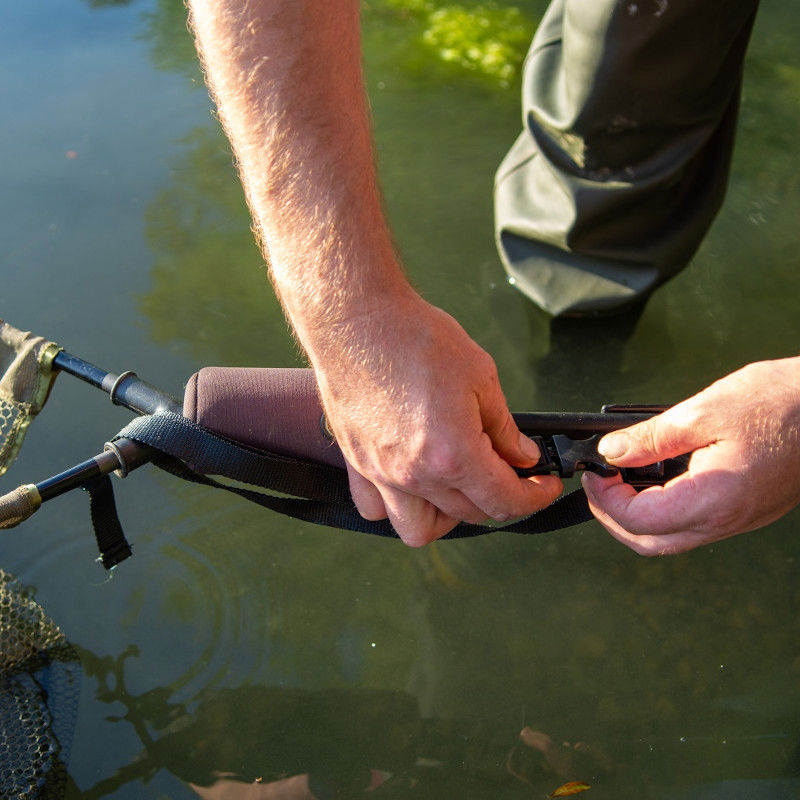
pixel 277 410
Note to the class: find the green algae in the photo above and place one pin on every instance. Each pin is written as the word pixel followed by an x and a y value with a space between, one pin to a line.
pixel 486 40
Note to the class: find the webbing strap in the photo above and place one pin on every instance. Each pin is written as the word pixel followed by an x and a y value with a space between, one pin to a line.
pixel 319 492
pixel 111 540
pixel 208 453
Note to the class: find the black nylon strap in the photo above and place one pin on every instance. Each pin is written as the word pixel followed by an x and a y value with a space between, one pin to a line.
pixel 111 540
pixel 207 453
pixel 320 493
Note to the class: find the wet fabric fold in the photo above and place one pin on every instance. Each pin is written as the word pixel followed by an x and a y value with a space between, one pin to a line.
pixel 629 116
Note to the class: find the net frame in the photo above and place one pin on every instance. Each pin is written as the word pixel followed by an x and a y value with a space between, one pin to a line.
pixel 26 378
pixel 40 681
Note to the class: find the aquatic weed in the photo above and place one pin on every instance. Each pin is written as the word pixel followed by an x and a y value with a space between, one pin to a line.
pixel 485 40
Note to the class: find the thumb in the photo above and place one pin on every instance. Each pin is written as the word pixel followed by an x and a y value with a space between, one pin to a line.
pixel 664 436
pixel 508 442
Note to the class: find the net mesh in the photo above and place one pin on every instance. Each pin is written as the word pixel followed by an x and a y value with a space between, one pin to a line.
pixel 39 686
pixel 26 375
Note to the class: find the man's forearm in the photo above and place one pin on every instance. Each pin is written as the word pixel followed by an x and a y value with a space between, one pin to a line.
pixel 287 79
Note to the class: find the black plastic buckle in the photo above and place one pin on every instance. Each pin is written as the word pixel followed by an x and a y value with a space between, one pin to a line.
pixel 566 455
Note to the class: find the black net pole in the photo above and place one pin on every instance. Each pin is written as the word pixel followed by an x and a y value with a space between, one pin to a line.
pixel 125 389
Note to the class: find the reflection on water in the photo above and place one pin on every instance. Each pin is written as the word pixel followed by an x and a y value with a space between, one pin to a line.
pixel 272 741
pixel 272 650
pixel 209 289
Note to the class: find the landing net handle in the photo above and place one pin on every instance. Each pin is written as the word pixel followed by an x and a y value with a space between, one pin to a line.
pixel 125 389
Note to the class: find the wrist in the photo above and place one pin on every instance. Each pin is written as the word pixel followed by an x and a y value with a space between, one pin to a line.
pixel 343 323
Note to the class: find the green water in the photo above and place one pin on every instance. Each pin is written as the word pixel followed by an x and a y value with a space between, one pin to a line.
pixel 285 648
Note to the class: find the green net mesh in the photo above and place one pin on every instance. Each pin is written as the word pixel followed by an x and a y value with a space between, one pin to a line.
pixel 26 375
pixel 39 686
pixel 39 669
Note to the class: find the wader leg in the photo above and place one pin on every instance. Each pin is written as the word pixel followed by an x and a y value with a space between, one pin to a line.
pixel 629 114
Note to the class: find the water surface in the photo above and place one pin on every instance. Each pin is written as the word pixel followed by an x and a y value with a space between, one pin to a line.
pixel 284 649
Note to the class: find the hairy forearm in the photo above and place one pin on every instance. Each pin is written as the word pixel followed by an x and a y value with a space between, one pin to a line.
pixel 286 76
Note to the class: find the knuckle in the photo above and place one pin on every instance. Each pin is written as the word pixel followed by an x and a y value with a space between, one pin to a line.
pixel 370 512
pixel 416 538
pixel 446 463
pixel 671 428
pixel 486 365
pixel 527 496
pixel 399 470
pixel 405 477
pixel 655 437
pixel 474 516
pixel 499 513
pixel 459 507
pixel 506 429
pixel 515 507
pixel 421 534
pixel 660 436
pixel 441 460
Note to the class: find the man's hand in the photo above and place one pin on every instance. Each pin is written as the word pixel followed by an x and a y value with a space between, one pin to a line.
pixel 744 432
pixel 418 412
pixel 414 403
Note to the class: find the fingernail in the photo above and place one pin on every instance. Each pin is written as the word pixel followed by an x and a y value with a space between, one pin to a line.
pixel 612 446
pixel 529 448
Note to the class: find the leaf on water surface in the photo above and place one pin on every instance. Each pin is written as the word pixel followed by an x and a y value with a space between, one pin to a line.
pixel 568 789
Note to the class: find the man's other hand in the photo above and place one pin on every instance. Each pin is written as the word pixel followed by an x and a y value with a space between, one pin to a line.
pixel 744 435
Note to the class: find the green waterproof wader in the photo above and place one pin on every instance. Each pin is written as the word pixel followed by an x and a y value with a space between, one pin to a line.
pixel 629 114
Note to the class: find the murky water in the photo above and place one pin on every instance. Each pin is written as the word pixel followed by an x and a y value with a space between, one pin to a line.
pixel 283 649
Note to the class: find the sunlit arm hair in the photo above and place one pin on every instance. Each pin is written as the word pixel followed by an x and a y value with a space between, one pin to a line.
pixel 287 79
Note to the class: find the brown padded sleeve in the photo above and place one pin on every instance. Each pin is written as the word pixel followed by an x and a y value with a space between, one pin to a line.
pixel 272 409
